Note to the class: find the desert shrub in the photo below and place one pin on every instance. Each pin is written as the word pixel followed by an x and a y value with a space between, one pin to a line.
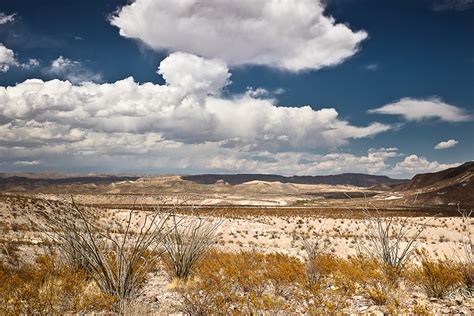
pixel 188 241
pixel 315 245
pixel 467 276
pixel 367 276
pixel 320 267
pixel 118 256
pixel 257 283
pixel 437 278
pixel 244 282
pixel 389 241
pixel 374 278
pixel 315 258
pixel 466 263
pixel 357 275
pixel 251 282
pixel 49 287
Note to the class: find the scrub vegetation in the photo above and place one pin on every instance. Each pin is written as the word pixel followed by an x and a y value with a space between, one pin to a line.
pixel 97 265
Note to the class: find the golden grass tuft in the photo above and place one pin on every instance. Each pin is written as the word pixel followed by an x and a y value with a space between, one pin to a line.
pixel 251 282
pixel 48 287
pixel 437 278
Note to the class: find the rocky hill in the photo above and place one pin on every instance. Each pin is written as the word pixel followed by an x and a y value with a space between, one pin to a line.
pixel 451 186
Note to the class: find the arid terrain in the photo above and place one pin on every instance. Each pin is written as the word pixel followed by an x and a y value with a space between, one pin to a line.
pixel 265 218
pixel 226 157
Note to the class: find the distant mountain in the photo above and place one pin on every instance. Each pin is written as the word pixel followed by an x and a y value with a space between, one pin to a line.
pixel 356 179
pixel 29 182
pixel 450 186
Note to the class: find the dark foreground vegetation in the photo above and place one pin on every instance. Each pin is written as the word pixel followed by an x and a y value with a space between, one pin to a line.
pixel 241 283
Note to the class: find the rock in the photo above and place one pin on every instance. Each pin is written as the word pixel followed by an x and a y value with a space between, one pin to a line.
pixel 363 308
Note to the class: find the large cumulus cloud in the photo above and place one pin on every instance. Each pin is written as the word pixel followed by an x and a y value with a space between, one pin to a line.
pixel 7 58
pixel 151 121
pixel 292 35
pixel 413 164
pixel 188 109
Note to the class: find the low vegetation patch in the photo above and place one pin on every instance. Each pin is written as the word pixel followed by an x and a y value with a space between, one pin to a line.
pixel 250 282
pixel 437 278
pixel 244 282
pixel 186 244
pixel 49 287
pixel 105 265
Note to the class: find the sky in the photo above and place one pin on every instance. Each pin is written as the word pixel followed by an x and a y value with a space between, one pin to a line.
pixel 272 86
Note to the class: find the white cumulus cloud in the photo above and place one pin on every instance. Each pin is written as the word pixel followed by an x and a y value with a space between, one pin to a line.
pixel 194 74
pixel 291 35
pixel 422 109
pixel 447 144
pixel 414 164
pixel 7 58
pixel 186 120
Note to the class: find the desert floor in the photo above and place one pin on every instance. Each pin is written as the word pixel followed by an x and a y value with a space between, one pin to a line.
pixel 343 232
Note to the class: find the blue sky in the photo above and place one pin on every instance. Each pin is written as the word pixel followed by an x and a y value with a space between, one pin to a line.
pixel 382 87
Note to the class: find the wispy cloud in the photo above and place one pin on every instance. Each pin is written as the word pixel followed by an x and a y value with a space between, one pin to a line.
pixel 421 109
pixel 31 63
pixel 447 144
pixel 72 70
pixel 372 67
pixel 4 18
pixel 26 162
pixel 456 5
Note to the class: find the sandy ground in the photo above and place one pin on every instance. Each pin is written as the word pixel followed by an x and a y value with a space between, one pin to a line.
pixel 443 237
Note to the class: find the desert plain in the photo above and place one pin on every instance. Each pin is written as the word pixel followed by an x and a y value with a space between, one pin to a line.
pixel 251 217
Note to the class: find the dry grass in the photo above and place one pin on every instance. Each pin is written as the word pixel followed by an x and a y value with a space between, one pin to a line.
pixel 437 278
pixel 49 287
pixel 118 255
pixel 187 243
pixel 244 282
pixel 466 265
pixel 358 275
pixel 250 282
pixel 467 276
pixel 235 283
